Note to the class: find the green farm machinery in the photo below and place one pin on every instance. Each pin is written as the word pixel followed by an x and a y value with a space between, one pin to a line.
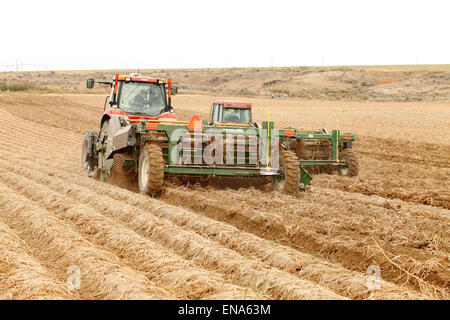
pixel 140 139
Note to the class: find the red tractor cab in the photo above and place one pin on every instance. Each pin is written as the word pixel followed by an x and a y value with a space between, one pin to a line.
pixel 138 98
pixel 231 112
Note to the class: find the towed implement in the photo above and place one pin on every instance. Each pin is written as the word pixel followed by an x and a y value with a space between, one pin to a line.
pixel 141 139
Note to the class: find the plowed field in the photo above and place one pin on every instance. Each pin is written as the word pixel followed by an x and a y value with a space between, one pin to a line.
pixel 207 243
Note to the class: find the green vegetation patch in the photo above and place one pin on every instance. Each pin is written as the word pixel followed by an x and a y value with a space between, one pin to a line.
pixel 18 86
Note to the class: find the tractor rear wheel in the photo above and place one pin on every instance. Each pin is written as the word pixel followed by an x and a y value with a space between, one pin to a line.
pixel 88 155
pixel 289 166
pixel 352 166
pixel 151 169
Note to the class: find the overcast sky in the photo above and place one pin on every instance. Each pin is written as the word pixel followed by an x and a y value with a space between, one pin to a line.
pixel 178 34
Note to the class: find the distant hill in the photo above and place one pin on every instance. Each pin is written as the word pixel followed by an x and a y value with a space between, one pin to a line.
pixel 376 83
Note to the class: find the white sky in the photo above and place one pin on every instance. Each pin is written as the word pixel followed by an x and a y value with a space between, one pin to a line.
pixel 177 34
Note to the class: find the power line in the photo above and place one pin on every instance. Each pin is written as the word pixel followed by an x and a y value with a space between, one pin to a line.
pixel 19 66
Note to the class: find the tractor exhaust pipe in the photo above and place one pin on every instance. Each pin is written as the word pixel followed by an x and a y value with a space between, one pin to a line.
pixel 115 88
pixel 169 91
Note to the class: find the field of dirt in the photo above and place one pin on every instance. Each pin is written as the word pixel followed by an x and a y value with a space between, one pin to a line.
pixel 204 243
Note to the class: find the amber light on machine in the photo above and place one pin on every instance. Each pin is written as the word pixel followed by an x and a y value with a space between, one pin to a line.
pixel 288 132
pixel 195 124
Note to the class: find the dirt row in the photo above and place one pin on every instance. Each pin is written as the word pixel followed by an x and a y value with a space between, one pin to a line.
pixel 103 277
pixel 22 276
pixel 340 239
pixel 160 265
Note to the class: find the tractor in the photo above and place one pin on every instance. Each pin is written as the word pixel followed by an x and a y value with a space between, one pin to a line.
pixel 141 139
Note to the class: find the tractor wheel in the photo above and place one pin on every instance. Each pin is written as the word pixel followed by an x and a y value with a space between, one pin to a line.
pixel 88 155
pixel 352 166
pixel 289 166
pixel 151 169
pixel 101 138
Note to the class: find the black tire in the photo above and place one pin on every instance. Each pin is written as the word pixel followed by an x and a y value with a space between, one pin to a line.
pixel 101 137
pixel 88 155
pixel 352 168
pixel 290 167
pixel 151 169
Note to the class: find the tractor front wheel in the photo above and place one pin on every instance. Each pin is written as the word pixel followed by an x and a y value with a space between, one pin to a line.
pixel 351 167
pixel 151 169
pixel 290 173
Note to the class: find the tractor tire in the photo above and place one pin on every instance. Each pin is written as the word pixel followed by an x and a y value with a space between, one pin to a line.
pixel 352 168
pixel 151 169
pixel 101 138
pixel 290 167
pixel 88 156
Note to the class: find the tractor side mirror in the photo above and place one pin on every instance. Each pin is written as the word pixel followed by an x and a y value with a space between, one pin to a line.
pixel 174 90
pixel 90 83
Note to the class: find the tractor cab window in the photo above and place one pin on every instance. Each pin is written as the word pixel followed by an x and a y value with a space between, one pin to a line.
pixel 237 115
pixel 142 98
pixel 215 113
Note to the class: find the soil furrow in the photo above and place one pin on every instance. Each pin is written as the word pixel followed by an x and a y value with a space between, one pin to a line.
pixel 22 276
pixel 159 264
pixel 101 275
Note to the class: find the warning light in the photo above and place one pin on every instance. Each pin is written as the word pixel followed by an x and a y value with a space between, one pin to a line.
pixel 288 133
pixel 195 124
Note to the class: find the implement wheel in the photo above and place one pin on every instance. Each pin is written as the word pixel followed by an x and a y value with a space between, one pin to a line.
pixel 289 166
pixel 151 169
pixel 352 166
